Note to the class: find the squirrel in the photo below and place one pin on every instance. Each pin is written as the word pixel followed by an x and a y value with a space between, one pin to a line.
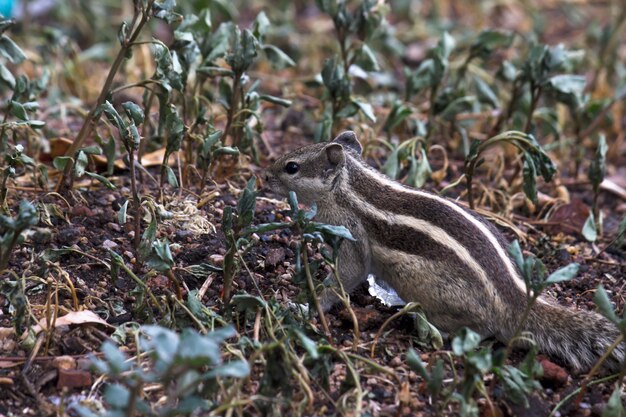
pixel 434 252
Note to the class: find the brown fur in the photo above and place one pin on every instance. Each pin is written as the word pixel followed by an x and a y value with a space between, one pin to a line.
pixel 449 260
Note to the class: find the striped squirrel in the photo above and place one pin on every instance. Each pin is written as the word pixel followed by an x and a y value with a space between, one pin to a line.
pixel 432 251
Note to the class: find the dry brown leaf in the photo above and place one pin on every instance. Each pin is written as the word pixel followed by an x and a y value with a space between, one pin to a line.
pixel 60 145
pixel 75 317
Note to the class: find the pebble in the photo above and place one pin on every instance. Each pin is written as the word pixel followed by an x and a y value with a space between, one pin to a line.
pixel 109 244
pixel 114 226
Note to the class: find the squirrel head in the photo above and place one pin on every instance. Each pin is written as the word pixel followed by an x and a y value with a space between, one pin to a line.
pixel 312 171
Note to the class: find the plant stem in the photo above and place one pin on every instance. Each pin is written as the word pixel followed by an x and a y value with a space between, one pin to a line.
pixel 232 109
pixel 316 301
pixel 535 93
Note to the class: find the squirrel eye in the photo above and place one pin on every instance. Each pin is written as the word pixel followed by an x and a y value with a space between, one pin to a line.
pixel 291 168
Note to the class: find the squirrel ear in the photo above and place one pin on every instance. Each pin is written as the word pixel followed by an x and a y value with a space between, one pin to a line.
pixel 348 139
pixel 334 154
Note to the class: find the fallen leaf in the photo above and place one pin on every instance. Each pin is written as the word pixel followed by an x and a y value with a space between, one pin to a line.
pixel 75 317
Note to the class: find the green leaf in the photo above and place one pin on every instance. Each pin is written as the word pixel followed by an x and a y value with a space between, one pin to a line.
pixel 275 100
pixel 467 341
pixel 391 168
pixel 366 59
pixel 18 110
pixel 366 109
pixel 234 369
pixel 197 350
pixel 134 112
pixel 162 341
pixel 567 89
pixel 246 302
pixel 215 71
pixel 161 257
pixel 488 41
pixel 485 93
pixel 458 105
pixel 171 176
pixel 113 116
pixel 416 364
pixel 597 168
pixel 101 179
pixel 81 164
pixel 419 170
pixel 165 10
pixel 7 76
pixel 260 26
pixel 563 274
pixel 121 214
pixel 277 57
pixel 10 50
pixel 308 344
pixel 398 113
pixel 60 162
pixel 529 174
pixel 615 406
pixel 603 302
pixel 589 228
pixel 92 150
pixel 339 231
pixel 115 359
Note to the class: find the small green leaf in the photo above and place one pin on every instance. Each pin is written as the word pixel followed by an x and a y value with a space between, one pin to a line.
pixel 10 50
pixel 171 176
pixel 81 164
pixel 563 274
pixel 134 112
pixel 398 113
pixel 339 231
pixel 101 179
pixel 60 162
pixel 366 109
pixel 18 110
pixel 260 26
pixel 419 170
pixel 615 406
pixel 529 174
pixel 465 342
pixel 308 344
pixel 277 57
pixel 275 100
pixel 234 369
pixel 121 214
pixel 7 76
pixel 366 59
pixel 597 168
pixel 589 228
pixel 603 302
pixel 391 168
pixel 416 364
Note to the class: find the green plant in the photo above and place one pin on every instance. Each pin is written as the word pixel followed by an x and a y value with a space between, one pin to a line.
pixel 237 235
pixel 355 29
pixel 129 135
pixel 188 368
pixel 597 169
pixel 536 161
pixel 11 229
pixel 240 49
pixel 143 11
pixel 534 273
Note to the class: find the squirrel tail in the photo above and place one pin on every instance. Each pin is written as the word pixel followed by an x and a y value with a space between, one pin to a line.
pixel 577 337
